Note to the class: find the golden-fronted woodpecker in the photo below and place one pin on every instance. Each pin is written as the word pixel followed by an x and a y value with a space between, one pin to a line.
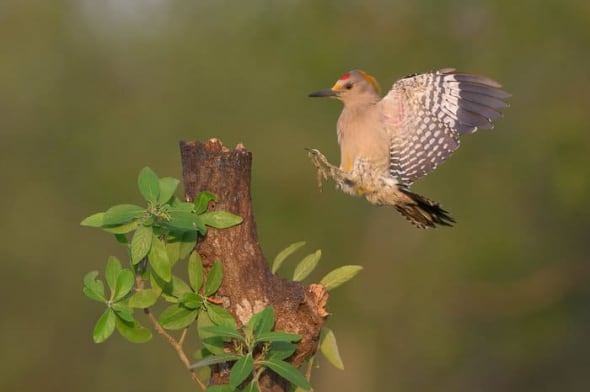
pixel 388 143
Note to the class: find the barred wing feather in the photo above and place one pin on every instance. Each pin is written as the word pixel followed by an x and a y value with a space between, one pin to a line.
pixel 425 114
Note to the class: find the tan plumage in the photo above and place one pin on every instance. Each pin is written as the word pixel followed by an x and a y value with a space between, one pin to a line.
pixel 388 143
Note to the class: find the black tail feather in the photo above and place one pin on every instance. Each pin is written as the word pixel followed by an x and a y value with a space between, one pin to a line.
pixel 423 212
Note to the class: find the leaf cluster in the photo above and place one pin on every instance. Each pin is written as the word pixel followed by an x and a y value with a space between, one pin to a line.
pixel 157 236
pixel 333 279
pixel 119 312
pixel 160 234
pixel 254 349
pixel 166 229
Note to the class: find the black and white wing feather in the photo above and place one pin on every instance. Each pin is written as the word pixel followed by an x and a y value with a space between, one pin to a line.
pixel 425 114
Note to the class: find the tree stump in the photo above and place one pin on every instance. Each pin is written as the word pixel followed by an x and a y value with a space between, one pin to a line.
pixel 248 283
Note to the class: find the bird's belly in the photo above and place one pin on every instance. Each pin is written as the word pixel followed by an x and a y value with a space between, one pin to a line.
pixel 366 177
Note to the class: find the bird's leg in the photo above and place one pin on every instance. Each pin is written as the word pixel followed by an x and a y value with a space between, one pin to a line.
pixel 323 167
pixel 326 170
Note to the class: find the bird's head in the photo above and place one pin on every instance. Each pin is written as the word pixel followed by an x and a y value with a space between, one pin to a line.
pixel 354 86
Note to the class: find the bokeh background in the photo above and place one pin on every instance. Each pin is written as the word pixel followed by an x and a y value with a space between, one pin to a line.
pixel 91 91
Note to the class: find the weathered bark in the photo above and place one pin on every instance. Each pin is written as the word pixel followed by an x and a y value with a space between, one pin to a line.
pixel 248 284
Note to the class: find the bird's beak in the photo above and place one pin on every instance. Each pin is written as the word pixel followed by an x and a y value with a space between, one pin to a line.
pixel 324 93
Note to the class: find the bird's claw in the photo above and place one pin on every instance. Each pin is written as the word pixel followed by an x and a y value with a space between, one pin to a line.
pixel 325 171
pixel 321 164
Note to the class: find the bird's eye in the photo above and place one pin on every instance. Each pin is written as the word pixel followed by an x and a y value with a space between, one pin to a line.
pixel 348 86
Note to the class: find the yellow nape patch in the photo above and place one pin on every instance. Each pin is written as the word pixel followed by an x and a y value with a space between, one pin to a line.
pixel 371 80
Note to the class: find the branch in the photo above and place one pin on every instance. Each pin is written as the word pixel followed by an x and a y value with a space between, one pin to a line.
pixel 248 284
pixel 176 345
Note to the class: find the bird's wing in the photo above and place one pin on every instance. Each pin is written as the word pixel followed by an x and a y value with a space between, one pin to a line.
pixel 425 114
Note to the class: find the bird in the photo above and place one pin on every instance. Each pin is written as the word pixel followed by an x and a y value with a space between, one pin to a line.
pixel 387 143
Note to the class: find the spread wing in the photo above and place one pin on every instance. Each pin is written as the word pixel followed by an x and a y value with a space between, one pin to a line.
pixel 425 114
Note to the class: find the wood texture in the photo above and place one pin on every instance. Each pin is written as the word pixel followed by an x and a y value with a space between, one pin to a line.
pixel 248 284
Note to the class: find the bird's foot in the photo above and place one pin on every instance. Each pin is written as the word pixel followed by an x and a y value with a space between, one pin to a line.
pixel 323 167
pixel 325 170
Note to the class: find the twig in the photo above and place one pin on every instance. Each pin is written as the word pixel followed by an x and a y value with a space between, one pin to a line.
pixel 309 368
pixel 176 345
pixel 182 337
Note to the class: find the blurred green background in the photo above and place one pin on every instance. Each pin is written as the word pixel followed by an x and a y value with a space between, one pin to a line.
pixel 91 91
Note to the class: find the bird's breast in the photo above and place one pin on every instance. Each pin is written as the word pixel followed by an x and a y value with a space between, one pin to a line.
pixel 362 137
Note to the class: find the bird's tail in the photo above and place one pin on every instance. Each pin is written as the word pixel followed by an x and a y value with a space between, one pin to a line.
pixel 422 212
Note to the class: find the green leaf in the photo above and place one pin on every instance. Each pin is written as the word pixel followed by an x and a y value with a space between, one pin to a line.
pixel 191 300
pixel 141 243
pixel 187 244
pixel 112 271
pixel 171 290
pixel 202 201
pixel 173 250
pixel 220 219
pixel 241 371
pixel 224 331
pixel 143 299
pixel 281 350
pixel 288 372
pixel 185 221
pixel 177 317
pixel 329 348
pixel 214 278
pixel 179 205
pixel 306 266
pixel 220 388
pixel 168 186
pixel 179 287
pixel 179 244
pixel 159 285
pixel 215 359
pixel 123 311
pixel 90 278
pixel 121 239
pixel 94 220
pixel 122 213
pixel 92 295
pixel 274 336
pixel 133 331
pixel 340 275
pixel 251 387
pixel 94 289
pixel 212 343
pixel 282 255
pixel 262 321
pixel 122 228
pixel 124 284
pixel 149 184
pixel 158 259
pixel 195 271
pixel 219 316
pixel 104 326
